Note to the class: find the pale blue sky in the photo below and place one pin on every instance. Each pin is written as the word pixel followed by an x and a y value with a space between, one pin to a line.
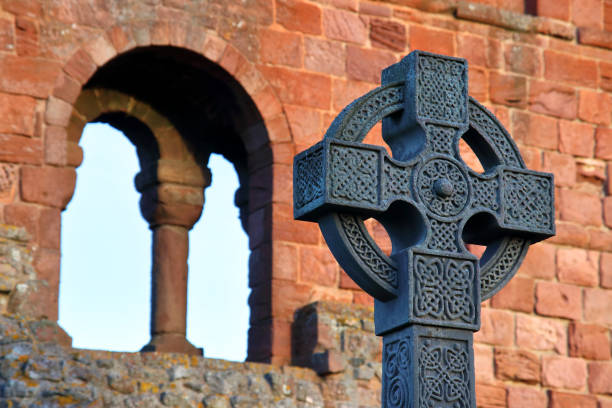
pixel 106 257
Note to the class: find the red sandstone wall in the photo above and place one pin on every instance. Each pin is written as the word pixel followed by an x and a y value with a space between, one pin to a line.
pixel 545 339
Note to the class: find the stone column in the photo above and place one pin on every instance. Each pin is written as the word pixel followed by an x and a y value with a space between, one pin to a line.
pixel 172 200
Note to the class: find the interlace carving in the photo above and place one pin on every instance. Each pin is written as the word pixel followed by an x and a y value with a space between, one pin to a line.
pixel 441 85
pixel 444 288
pixel 444 376
pixel 443 171
pixel 353 174
pixel 441 138
pixel 366 252
pixel 310 178
pixel 396 181
pixel 396 366
pixel 368 112
pixel 491 277
pixel 485 193
pixel 527 200
pixel 487 126
pixel 443 236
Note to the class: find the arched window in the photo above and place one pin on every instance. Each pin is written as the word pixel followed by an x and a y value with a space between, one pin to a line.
pixel 105 293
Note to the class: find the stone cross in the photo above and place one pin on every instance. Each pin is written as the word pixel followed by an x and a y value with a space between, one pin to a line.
pixel 428 292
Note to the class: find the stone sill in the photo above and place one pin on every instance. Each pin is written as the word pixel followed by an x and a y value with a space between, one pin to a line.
pixel 515 21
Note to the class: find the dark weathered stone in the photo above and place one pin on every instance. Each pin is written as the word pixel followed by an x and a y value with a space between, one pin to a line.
pixel 428 292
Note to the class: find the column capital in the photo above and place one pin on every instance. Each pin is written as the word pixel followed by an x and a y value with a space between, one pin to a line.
pixel 172 192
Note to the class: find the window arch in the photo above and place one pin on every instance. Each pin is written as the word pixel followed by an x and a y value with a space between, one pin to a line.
pixel 194 110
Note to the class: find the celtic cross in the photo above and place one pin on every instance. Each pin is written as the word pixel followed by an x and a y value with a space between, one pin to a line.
pixel 428 291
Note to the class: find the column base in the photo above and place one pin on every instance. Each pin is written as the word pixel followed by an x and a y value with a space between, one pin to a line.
pixel 172 343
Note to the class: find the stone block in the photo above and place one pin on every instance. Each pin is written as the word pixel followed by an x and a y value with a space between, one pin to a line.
pixel 586 13
pixel 539 262
pixel 318 266
pixel 566 400
pixel 28 76
pixel 589 341
pixel 473 48
pixel 17 116
pixel 281 48
pixel 300 88
pixel 600 378
pixel 576 138
pixel 581 207
pixel 80 66
pixel 51 186
pixel 20 149
pixel 298 15
pixel 367 64
pixel 595 107
pixel 571 69
pixel 603 143
pixel 552 98
pixel 517 365
pixel 597 306
pixel 564 372
pixel 387 34
pixel 524 59
pixel 578 266
pixel 521 397
pixel 558 300
pixel 518 294
pixel 326 57
pixel 510 90
pixel 539 333
pixel 432 40
pixel 497 328
pixel 345 26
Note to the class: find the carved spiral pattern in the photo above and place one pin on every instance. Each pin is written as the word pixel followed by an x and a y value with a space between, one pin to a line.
pixel 397 392
pixel 442 169
pixel 396 369
pixel 366 252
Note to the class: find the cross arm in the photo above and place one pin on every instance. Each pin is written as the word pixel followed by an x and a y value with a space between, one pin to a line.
pixel 521 200
pixel 339 176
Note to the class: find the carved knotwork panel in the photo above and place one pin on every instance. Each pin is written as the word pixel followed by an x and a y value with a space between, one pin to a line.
pixel 396 181
pixel 445 290
pixel 528 201
pixel 444 373
pixel 309 180
pixel 428 368
pixel 354 174
pixel 441 89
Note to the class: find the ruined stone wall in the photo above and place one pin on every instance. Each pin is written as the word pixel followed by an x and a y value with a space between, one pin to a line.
pixel 38 368
pixel 547 75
